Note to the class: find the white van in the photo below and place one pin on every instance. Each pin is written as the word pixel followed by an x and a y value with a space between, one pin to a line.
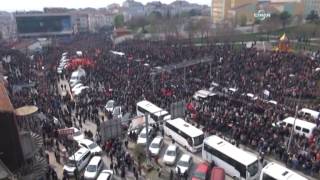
pixel 78 160
pixel 301 126
pixel 76 77
pixel 312 113
pixel 273 171
pixel 202 94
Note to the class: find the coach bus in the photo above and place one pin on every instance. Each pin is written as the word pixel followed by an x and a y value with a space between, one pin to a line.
pixel 273 171
pixel 156 114
pixel 184 133
pixel 237 163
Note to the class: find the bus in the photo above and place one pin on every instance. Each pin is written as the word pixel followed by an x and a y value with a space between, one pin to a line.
pixel 184 133
pixel 156 114
pixel 236 162
pixel 273 171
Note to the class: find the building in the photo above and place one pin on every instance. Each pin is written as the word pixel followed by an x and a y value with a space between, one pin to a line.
pixel 100 19
pixel 132 8
pixel 7 26
pixel 311 5
pixel 156 6
pixel 220 9
pixel 43 24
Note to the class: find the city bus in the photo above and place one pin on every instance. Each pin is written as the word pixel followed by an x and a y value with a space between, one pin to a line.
pixel 156 114
pixel 184 133
pixel 273 171
pixel 236 162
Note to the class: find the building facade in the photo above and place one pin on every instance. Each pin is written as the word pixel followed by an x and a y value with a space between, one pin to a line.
pixel 311 5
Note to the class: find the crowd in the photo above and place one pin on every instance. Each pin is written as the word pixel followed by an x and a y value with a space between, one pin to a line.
pixel 128 79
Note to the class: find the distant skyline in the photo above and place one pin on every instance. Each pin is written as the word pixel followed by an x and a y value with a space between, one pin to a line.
pixel 27 5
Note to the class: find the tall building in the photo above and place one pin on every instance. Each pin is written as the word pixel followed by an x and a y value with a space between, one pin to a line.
pixel 220 9
pixel 310 5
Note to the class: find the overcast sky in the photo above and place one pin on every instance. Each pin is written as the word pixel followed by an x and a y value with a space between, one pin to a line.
pixel 13 5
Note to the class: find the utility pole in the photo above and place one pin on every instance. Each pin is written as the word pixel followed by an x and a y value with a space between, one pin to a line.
pixel 294 123
pixel 147 136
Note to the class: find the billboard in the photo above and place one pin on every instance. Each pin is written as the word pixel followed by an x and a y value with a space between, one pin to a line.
pixel 43 24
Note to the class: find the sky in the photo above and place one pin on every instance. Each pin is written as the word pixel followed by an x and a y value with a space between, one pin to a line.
pixel 20 5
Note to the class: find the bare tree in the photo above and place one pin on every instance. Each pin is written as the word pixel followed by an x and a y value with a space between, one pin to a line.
pixel 204 27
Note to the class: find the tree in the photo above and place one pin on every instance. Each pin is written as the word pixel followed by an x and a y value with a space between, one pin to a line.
pixel 119 20
pixel 313 16
pixel 285 17
pixel 191 28
pixel 243 20
pixel 138 22
pixel 204 26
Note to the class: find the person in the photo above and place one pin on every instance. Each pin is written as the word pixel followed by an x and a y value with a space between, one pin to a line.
pixel 171 174
pixel 159 172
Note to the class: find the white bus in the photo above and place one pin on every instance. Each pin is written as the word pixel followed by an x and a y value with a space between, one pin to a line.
pixel 273 171
pixel 237 163
pixel 156 114
pixel 184 133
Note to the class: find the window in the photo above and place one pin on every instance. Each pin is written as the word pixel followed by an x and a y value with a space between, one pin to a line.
pixel 267 177
pixel 289 125
pixel 86 156
pixel 142 110
pixel 305 130
pixel 298 128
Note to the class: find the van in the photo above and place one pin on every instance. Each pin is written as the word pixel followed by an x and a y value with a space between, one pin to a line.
pixel 309 112
pixel 76 77
pixel 218 173
pixel 273 171
pixel 78 161
pixel 301 126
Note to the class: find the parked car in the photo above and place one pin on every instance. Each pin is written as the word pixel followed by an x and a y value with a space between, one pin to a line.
pixel 156 145
pixel 78 160
pixel 142 137
pixel 117 112
pixel 105 175
pixel 201 172
pixel 94 167
pixel 170 155
pixel 92 146
pixel 110 105
pixel 184 163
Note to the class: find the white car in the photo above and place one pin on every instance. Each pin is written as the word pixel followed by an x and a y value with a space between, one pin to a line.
pixel 170 155
pixel 142 138
pixel 93 168
pixel 110 105
pixel 156 145
pixel 184 163
pixel 117 112
pixel 92 146
pixel 77 135
pixel 105 175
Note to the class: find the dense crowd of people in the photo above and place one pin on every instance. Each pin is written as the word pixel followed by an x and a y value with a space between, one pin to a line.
pixel 127 79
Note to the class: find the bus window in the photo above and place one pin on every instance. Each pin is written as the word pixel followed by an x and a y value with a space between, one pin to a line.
pixel 198 140
pixel 298 128
pixel 267 177
pixel 305 130
pixel 289 125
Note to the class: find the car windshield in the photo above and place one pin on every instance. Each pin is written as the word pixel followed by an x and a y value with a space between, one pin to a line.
pixel 199 175
pixel 78 133
pixel 110 104
pixel 183 163
pixel 143 135
pixel 253 168
pixel 91 168
pixel 198 140
pixel 154 145
pixel 171 153
pixel 71 163
pixel 92 145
